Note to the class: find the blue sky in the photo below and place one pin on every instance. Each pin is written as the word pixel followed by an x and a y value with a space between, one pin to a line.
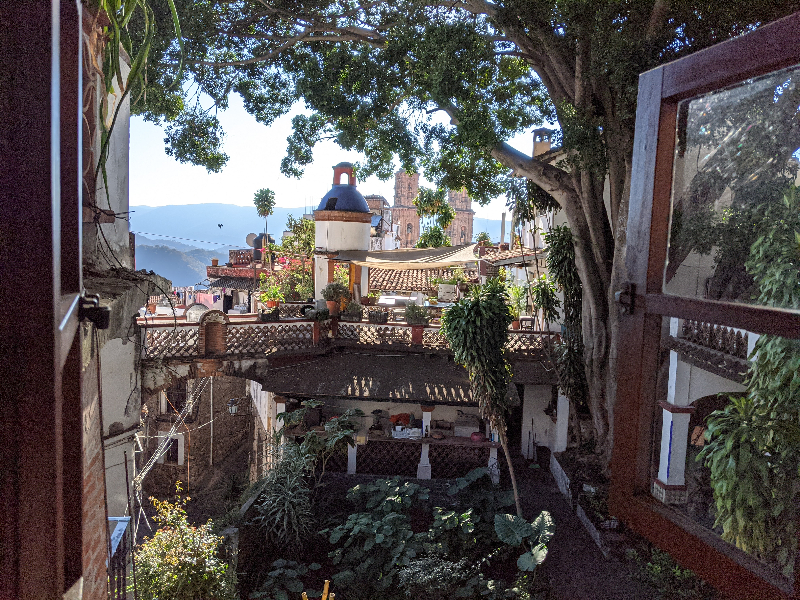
pixel 255 153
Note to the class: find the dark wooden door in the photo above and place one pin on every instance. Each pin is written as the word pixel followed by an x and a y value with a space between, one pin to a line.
pixel 709 134
pixel 40 280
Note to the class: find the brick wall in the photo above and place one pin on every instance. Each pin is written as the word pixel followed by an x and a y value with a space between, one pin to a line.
pixel 95 534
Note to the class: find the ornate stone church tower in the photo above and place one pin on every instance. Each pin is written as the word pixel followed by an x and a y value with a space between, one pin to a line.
pixel 460 230
pixel 404 213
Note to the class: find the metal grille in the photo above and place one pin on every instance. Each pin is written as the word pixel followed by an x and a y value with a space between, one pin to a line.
pixel 385 457
pixel 375 335
pixel 247 339
pixel 117 570
pixel 448 462
pixel 434 338
pixel 176 341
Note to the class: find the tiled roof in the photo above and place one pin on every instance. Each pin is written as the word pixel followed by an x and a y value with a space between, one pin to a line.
pixel 234 283
pixel 495 255
pixel 411 280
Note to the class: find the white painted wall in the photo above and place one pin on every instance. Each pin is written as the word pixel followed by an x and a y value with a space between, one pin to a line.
pixel 117 178
pixel 536 399
pixel 341 235
pixel 263 404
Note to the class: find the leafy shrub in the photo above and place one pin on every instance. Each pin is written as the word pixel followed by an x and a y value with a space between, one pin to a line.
pixel 436 578
pixel 387 495
pixel 284 581
pixel 284 509
pixel 485 498
pixel 515 531
pixel 416 315
pixel 335 292
pixel 668 579
pixel 181 562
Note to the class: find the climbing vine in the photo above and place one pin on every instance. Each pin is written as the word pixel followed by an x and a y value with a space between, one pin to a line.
pixel 476 328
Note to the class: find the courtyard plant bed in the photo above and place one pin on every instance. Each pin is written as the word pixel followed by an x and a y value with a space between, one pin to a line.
pixel 388 538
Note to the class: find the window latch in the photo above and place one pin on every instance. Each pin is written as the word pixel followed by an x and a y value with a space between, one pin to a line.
pixel 626 298
pixel 89 309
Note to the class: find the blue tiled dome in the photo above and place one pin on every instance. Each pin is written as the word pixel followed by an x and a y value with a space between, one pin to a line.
pixel 344 197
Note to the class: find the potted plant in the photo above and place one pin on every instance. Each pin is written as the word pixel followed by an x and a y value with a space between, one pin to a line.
pixel 370 299
pixel 271 293
pixel 334 293
pixel 352 312
pixel 417 315
pixel 516 303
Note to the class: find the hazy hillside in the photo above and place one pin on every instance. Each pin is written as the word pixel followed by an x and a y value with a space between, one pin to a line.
pixel 182 268
pixel 195 236
pixel 197 225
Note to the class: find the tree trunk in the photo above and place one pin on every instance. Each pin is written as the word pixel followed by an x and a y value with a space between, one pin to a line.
pixel 504 443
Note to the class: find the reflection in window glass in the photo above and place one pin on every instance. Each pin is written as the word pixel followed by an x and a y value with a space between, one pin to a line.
pixel 725 450
pixel 735 206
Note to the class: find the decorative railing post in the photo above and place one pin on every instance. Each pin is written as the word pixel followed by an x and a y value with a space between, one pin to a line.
pixel 416 334
pixel 315 334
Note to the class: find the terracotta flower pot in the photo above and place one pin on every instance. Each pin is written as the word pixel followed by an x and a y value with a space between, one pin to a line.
pixel 477 436
pixel 515 324
pixel 272 303
pixel 333 307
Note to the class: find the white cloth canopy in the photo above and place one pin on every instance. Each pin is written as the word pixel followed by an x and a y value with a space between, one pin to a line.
pixel 411 258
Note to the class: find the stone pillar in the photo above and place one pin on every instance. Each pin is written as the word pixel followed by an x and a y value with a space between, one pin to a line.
pixel 351 459
pixel 494 467
pixel 320 274
pixel 670 485
pixel 562 423
pixel 424 467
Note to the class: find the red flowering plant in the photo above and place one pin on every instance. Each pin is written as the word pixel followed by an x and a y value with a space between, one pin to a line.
pixel 294 278
pixel 400 419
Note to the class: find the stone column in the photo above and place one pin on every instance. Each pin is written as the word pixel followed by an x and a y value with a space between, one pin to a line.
pixel 424 467
pixel 562 423
pixel 670 485
pixel 494 467
pixel 351 459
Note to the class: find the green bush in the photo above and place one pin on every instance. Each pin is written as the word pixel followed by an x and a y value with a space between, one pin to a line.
pixel 436 578
pixel 335 292
pixel 284 581
pixel 182 562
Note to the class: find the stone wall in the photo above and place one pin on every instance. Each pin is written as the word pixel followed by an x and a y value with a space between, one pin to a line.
pixel 210 476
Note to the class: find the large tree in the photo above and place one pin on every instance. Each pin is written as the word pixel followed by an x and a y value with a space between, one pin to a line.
pixel 443 85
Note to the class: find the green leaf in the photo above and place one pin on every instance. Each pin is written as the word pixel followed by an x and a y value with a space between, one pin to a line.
pixel 544 527
pixel 511 529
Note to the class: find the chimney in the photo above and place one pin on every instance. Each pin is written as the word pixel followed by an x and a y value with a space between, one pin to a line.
pixel 542 139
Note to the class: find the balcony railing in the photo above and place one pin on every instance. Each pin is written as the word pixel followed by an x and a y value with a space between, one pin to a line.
pixel 245 336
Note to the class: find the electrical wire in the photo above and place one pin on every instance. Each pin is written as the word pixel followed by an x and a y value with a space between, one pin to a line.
pixel 175 237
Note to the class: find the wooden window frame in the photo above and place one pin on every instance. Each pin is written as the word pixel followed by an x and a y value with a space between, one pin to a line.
pixel 770 48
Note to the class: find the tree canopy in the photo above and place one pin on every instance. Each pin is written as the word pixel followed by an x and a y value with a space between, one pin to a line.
pixel 441 85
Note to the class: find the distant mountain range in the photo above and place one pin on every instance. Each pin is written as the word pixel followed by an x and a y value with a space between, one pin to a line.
pixel 178 241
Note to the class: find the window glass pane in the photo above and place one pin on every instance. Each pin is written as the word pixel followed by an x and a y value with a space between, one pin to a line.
pixel 725 448
pixel 735 206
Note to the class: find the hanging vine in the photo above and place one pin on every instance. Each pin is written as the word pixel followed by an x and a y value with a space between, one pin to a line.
pixel 113 19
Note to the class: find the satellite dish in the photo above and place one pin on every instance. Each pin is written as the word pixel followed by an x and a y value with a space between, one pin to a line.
pixel 251 237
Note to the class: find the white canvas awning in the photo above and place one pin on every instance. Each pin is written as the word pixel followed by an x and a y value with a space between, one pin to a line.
pixel 411 258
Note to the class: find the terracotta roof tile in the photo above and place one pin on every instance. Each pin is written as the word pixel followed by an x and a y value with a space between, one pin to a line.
pixel 411 280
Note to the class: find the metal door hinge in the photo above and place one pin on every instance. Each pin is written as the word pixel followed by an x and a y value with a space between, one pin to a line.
pixel 91 310
pixel 626 298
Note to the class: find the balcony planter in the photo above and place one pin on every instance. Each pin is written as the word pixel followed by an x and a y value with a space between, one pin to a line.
pixel 515 324
pixel 272 303
pixel 333 307
pixel 270 317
